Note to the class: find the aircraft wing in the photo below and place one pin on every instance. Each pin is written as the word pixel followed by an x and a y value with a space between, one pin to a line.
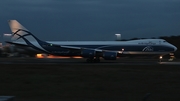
pixel 91 52
pixel 70 47
pixel 81 48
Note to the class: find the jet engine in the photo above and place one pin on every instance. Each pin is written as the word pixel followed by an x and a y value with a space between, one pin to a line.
pixel 110 55
pixel 87 53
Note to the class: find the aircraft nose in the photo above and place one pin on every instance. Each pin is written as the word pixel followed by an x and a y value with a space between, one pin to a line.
pixel 175 48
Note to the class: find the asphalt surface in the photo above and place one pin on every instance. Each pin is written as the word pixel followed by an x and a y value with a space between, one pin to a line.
pixel 69 79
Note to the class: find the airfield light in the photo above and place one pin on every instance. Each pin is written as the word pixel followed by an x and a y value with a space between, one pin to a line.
pixel 7 37
pixel 7 34
pixel 118 37
pixel 160 58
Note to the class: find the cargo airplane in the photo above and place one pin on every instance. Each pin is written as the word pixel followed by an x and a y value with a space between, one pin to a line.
pixel 92 50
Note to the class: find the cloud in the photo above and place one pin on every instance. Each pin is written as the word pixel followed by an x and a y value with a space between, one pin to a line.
pixel 93 19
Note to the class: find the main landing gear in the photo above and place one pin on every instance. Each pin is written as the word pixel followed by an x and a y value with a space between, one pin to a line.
pixel 91 60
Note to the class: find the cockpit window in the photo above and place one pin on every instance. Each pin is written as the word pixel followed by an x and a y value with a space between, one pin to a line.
pixel 164 41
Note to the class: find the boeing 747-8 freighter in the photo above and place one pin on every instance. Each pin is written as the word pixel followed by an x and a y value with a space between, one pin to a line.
pixel 92 50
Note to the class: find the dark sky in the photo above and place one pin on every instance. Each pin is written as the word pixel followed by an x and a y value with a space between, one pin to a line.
pixel 93 19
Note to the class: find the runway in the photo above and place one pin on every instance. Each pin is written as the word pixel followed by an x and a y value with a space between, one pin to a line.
pixel 45 79
pixel 71 61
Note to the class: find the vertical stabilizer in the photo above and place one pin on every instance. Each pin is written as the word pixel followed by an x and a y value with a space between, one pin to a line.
pixel 15 25
pixel 17 30
pixel 22 35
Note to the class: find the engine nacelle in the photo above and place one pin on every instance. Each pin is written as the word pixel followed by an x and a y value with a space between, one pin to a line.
pixel 110 55
pixel 87 53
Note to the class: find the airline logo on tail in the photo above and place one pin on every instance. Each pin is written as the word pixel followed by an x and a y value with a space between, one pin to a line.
pixel 21 34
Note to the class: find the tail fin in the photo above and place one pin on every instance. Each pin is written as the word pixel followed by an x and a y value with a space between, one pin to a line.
pixel 19 32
